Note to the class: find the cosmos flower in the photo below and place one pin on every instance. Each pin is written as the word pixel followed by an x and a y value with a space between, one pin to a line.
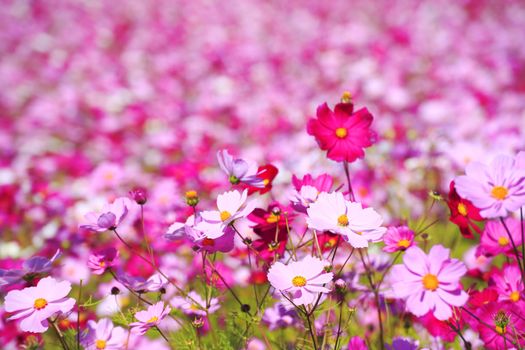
pixel 34 305
pixel 103 335
pixel 279 316
pixel 149 318
pixel 429 282
pixel 240 170
pixel 358 226
pixel 308 188
pixel 267 173
pixel 500 325
pixel 495 238
pixel 33 267
pixel 109 218
pixel 102 260
pixel 496 189
pixel 357 343
pixel 231 206
pixel 398 238
pixel 194 305
pixel 508 284
pixel 301 281
pixel 200 241
pixel 343 132
pixel 463 213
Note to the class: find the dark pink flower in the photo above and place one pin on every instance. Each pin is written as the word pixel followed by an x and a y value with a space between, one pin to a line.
pixel 102 260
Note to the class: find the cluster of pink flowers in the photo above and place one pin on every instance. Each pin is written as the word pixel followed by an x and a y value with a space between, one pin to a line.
pixel 172 177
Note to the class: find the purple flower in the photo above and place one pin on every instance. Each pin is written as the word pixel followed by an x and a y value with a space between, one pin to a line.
pixel 429 282
pixel 194 305
pixel 150 318
pixel 496 189
pixel 33 267
pixel 240 170
pixel 403 344
pixel 103 335
pixel 279 316
pixel 109 218
pixel 102 260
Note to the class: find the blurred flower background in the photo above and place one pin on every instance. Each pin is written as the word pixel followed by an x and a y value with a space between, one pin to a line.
pixel 100 97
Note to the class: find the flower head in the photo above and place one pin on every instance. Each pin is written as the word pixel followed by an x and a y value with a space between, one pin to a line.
pixel 429 282
pixel 302 280
pixel 398 238
pixel 343 132
pixel 34 305
pixel 508 284
pixel 331 212
pixel 463 213
pixel 240 170
pixel 150 318
pixel 496 189
pixel 109 218
pixel 102 260
pixel 36 266
pixel 103 335
pixel 495 238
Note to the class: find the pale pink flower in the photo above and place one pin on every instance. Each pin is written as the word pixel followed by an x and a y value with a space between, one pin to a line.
pixel 34 305
pixel 398 238
pixel 301 281
pixel 240 170
pixel 102 260
pixel 331 212
pixel 429 282
pixel 150 318
pixel 194 305
pixel 103 335
pixel 108 218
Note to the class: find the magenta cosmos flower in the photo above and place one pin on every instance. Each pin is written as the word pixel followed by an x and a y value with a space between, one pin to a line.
pixel 231 206
pixel 343 132
pixel 150 318
pixel 102 260
pixel 109 218
pixel 495 238
pixel 496 189
pixel 240 170
pixel 300 281
pixel 508 283
pixel 331 212
pixel 34 305
pixel 398 238
pixel 429 282
pixel 103 335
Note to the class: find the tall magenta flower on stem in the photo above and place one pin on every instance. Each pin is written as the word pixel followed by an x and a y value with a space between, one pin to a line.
pixel 429 282
pixel 344 133
pixel 34 305
pixel 150 318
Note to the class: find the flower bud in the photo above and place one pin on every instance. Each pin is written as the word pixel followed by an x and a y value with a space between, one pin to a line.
pixel 192 198
pixel 139 195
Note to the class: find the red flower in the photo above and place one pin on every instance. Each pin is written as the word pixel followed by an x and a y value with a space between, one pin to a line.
pixel 343 132
pixel 267 173
pixel 463 213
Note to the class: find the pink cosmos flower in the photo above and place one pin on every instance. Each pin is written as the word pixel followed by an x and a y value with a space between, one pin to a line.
pixel 495 238
pixel 178 230
pixel 302 280
pixel 343 132
pixel 102 260
pixel 429 282
pixel 331 212
pixel 496 189
pixel 150 318
pixel 231 206
pixel 240 170
pixel 501 325
pixel 308 188
pixel 194 305
pixel 34 305
pixel 109 218
pixel 36 266
pixel 508 283
pixel 398 238
pixel 357 343
pixel 103 335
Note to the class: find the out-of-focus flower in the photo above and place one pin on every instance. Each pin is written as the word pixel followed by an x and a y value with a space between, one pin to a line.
pixel 240 170
pixel 279 316
pixel 357 343
pixel 398 238
pixel 463 213
pixel 429 282
pixel 36 266
pixel 34 305
pixel 358 226
pixel 194 305
pixel 139 195
pixel 301 281
pixel 149 318
pixel 103 335
pixel 495 238
pixel 501 324
pixel 231 206
pixel 496 189
pixel 267 173
pixel 399 343
pixel 102 260
pixel 308 188
pixel 107 219
pixel 343 132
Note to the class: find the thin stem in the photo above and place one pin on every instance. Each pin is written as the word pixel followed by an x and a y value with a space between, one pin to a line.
pixel 148 247
pixel 516 252
pixel 59 334
pixel 339 324
pixel 468 345
pixel 347 174
pixel 78 314
pixel 310 329
pixel 163 336
pixel 344 264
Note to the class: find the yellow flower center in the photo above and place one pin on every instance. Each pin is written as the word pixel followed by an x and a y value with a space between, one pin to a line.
pixel 503 241
pixel 499 192
pixel 225 215
pixel 266 182
pixel 102 263
pixel 153 319
pixel 191 194
pixel 341 132
pixel 347 97
pixel 462 209
pixel 194 307
pixel 342 220
pixel 404 243
pixel 272 219
pixel 515 296
pixel 100 344
pixel 40 303
pixel 430 282
pixel 501 330
pixel 299 281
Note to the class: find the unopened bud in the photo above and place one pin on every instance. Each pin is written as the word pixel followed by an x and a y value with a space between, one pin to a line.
pixel 346 97
pixel 192 198
pixel 115 291
pixel 139 195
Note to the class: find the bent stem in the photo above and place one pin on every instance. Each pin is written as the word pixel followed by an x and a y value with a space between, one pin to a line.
pixel 59 334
